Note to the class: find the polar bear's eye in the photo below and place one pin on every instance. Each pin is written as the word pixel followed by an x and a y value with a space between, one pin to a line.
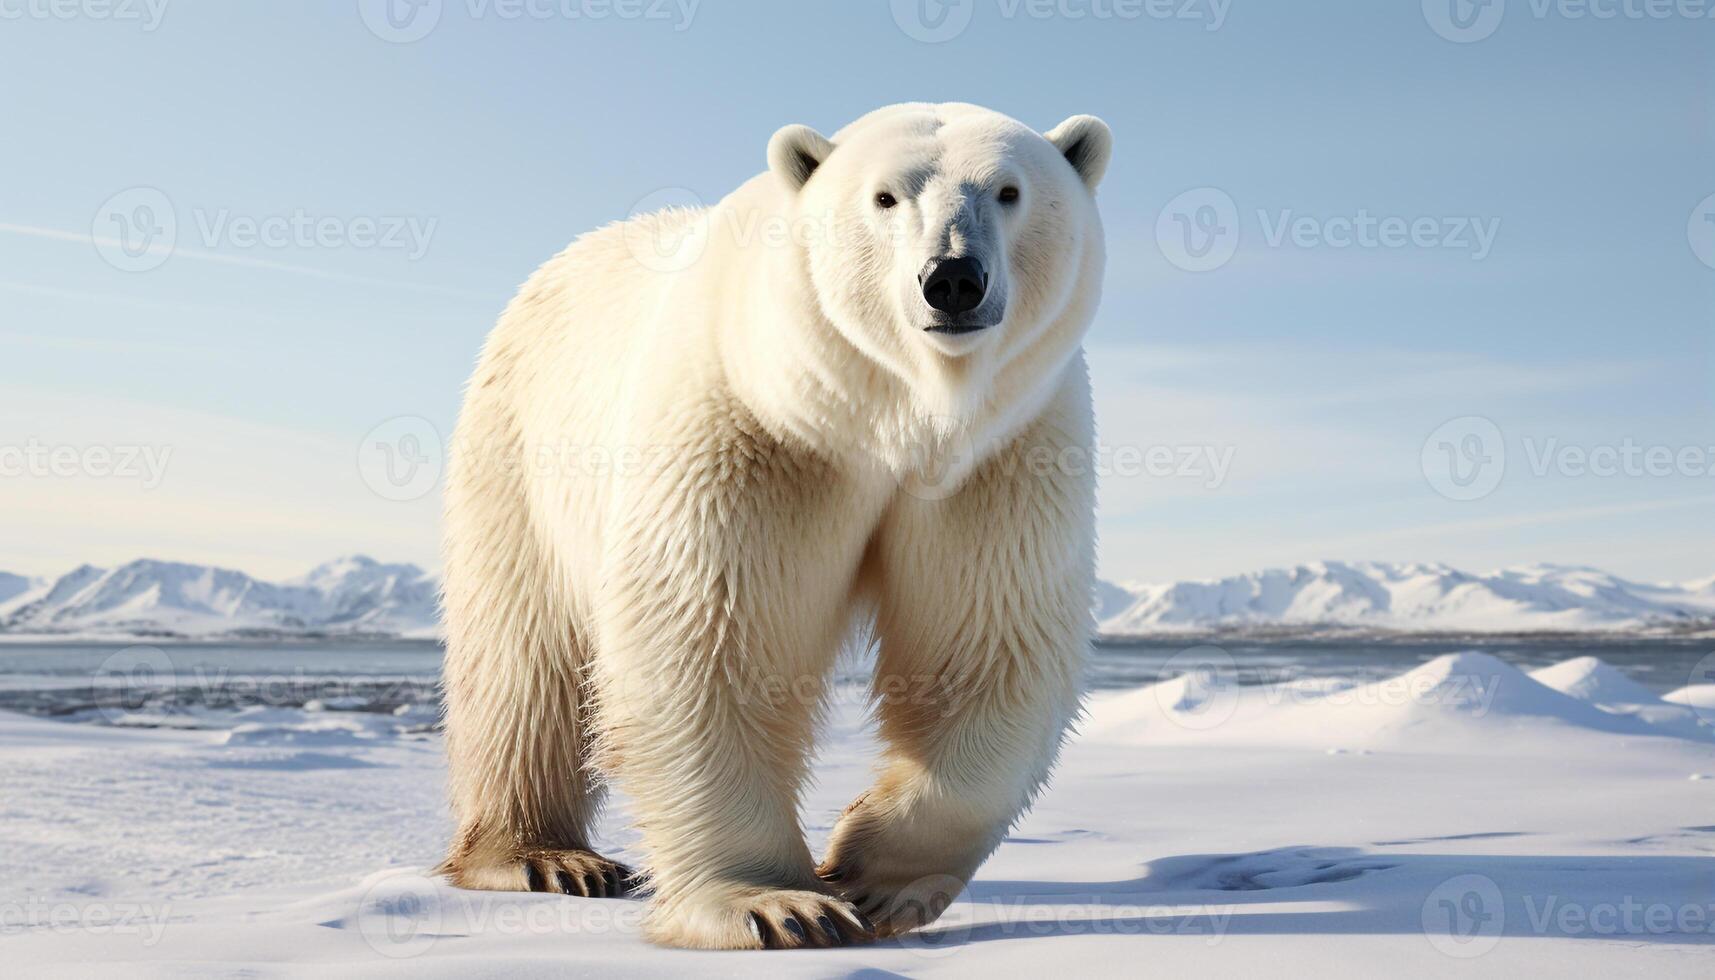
pixel 885 200
pixel 1008 194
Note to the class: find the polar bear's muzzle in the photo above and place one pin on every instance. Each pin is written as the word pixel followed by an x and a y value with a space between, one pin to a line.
pixel 955 287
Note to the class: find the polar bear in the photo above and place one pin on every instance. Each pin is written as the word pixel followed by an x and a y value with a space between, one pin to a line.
pixel 701 445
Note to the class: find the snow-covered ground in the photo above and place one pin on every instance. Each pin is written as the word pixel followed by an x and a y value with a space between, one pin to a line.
pixel 1462 819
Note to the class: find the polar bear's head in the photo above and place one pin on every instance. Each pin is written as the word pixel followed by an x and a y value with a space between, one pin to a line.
pixel 949 233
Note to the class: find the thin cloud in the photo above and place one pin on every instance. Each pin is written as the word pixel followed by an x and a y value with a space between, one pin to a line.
pixel 244 261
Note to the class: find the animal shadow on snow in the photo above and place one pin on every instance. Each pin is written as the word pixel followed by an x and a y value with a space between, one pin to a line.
pixel 1349 891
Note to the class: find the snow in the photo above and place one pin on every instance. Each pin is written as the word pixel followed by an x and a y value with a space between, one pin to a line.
pixel 12 586
pixel 1700 696
pixel 158 598
pixel 1424 597
pixel 359 595
pixel 1461 817
pixel 1590 679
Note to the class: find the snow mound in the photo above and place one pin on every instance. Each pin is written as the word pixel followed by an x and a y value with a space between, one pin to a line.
pixel 1458 698
pixel 1699 696
pixel 1481 686
pixel 1593 679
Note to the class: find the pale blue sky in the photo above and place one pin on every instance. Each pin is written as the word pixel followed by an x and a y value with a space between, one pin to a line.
pixel 1319 371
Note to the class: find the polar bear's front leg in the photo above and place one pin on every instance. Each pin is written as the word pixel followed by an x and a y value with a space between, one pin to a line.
pixel 720 614
pixel 984 617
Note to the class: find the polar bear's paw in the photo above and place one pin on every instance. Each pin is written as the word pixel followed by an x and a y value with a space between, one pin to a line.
pixel 896 902
pixel 567 871
pixel 900 872
pixel 759 918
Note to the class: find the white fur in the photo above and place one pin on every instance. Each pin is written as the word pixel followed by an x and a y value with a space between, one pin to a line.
pixel 674 491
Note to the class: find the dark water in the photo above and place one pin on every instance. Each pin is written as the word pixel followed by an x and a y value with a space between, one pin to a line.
pixel 97 682
pixel 1660 664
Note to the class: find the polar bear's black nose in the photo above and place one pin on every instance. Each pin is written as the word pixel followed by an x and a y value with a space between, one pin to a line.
pixel 954 286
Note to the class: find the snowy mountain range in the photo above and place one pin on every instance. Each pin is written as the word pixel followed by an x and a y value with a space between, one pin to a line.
pixel 1413 597
pixel 360 596
pixel 348 596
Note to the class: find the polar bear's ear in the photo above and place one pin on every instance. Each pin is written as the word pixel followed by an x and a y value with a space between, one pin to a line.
pixel 795 152
pixel 1086 143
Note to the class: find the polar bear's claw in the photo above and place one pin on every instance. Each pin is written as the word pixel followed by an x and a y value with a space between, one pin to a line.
pixel 763 919
pixel 584 874
pixel 568 871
